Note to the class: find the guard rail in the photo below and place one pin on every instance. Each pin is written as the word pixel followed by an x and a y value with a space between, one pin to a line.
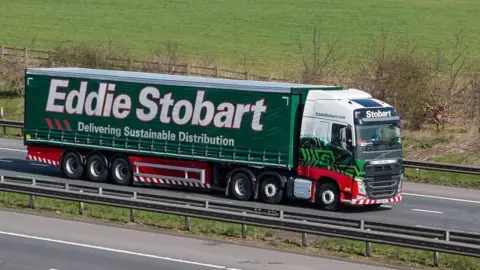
pixel 436 240
pixel 414 164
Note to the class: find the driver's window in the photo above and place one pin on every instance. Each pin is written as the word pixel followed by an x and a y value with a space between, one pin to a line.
pixel 341 136
pixel 337 134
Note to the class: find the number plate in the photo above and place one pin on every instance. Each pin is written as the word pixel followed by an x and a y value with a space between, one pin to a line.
pixel 383 201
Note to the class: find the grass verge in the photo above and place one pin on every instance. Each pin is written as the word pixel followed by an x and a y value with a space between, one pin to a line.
pixel 232 233
pixel 459 180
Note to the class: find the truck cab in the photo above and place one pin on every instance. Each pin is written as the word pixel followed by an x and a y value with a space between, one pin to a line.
pixel 350 142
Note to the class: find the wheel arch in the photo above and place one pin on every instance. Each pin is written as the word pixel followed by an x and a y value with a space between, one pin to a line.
pixel 100 153
pixel 121 155
pixel 327 179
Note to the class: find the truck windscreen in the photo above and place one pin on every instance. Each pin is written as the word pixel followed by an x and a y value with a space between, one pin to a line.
pixel 378 134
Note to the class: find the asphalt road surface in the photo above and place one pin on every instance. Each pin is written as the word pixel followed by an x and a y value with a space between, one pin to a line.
pixel 30 242
pixel 422 205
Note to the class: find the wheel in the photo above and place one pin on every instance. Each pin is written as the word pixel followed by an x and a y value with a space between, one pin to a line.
pixel 72 166
pixel 372 206
pixel 328 196
pixel 97 168
pixel 271 191
pixel 241 186
pixel 121 171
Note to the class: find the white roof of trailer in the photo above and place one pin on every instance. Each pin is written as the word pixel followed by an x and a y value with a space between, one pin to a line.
pixel 166 79
pixel 339 94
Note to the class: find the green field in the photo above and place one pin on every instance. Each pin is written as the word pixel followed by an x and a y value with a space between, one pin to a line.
pixel 264 31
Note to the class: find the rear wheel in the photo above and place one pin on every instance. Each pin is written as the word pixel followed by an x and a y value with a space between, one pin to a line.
pixel 328 196
pixel 271 190
pixel 241 186
pixel 121 171
pixel 97 168
pixel 72 166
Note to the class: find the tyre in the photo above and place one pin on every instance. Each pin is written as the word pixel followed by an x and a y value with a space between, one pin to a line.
pixel 72 166
pixel 121 171
pixel 241 187
pixel 270 190
pixel 328 196
pixel 97 168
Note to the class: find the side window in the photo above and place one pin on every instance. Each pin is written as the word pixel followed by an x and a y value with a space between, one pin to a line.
pixel 321 130
pixel 337 130
pixel 341 136
pixel 314 133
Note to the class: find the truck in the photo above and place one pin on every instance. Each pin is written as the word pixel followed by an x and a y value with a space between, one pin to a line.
pixel 250 140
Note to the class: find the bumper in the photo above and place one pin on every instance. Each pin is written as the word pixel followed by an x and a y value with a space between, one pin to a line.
pixel 367 201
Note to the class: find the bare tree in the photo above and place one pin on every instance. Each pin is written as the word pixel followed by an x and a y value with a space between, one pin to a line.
pixel 317 66
pixel 170 58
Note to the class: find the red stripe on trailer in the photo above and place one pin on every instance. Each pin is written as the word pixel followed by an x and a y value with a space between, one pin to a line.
pixel 59 125
pixel 48 155
pixel 67 125
pixel 49 123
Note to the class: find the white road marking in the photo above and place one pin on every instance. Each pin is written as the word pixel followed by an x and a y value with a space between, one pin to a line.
pixel 206 199
pixel 428 227
pixel 427 211
pixel 116 250
pixel 14 150
pixel 39 164
pixel 386 206
pixel 7 161
pixel 441 198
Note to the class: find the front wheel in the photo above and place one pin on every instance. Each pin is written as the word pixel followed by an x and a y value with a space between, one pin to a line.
pixel 328 196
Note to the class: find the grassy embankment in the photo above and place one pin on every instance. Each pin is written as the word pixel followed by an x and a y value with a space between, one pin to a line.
pixel 232 31
pixel 232 233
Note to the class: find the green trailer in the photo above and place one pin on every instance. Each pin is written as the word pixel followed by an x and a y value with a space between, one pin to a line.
pixel 156 129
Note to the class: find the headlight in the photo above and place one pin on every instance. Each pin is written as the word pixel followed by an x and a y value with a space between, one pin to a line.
pixel 361 186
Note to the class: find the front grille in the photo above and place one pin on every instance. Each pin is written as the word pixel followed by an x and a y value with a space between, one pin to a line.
pixel 381 182
pixel 382 169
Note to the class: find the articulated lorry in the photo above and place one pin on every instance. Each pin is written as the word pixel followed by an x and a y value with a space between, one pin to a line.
pixel 252 140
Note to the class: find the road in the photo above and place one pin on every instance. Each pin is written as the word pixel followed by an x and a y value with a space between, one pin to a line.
pixel 53 243
pixel 422 205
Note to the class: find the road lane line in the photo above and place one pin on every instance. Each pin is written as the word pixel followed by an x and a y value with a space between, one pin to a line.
pixel 14 150
pixel 441 198
pixel 427 211
pixel 206 199
pixel 39 164
pixel 115 250
pixel 428 227
pixel 7 161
